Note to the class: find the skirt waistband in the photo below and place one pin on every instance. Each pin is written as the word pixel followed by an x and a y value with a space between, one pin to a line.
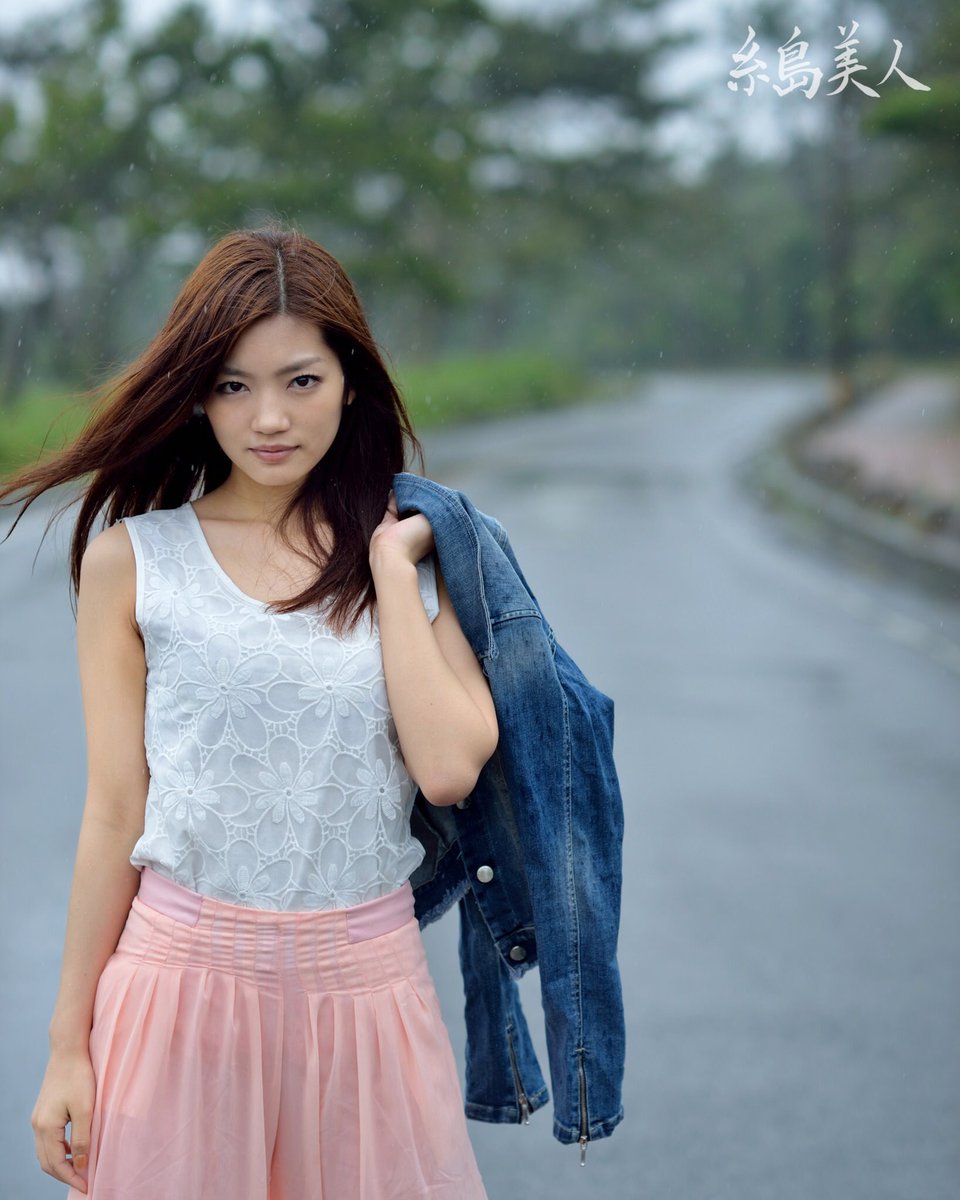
pixel 357 948
pixel 369 919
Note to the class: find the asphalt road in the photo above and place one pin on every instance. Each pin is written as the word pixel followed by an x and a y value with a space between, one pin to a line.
pixel 787 747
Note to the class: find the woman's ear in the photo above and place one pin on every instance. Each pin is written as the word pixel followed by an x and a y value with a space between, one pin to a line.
pixel 350 397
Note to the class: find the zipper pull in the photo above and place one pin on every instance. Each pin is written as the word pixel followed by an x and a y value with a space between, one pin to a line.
pixel 583 1151
pixel 524 1109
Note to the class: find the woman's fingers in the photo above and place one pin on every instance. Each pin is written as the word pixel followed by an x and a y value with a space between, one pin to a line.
pixel 67 1097
pixel 412 535
pixel 52 1147
pixel 80 1138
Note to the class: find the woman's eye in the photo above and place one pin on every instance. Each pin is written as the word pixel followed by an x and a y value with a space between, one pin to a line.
pixel 303 379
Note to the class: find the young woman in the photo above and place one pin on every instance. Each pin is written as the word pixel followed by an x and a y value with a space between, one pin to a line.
pixel 269 659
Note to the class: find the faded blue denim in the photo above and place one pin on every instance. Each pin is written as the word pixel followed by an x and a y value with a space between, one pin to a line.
pixel 546 818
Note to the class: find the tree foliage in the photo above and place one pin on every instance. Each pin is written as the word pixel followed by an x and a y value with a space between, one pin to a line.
pixel 416 142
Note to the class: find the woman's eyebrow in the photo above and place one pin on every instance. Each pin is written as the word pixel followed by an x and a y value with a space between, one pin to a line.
pixel 296 366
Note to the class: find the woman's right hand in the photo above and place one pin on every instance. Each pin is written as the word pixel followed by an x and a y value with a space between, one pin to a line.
pixel 66 1094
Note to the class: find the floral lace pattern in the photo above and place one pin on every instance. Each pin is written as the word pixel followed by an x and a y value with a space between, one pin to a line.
pixel 276 779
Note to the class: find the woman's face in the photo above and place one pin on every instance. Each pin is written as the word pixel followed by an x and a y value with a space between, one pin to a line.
pixel 280 385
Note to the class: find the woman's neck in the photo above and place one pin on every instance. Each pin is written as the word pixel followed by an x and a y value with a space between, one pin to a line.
pixel 242 500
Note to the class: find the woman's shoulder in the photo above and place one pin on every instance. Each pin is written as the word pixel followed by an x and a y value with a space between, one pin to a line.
pixel 152 516
pixel 158 530
pixel 108 573
pixel 108 552
pixel 131 542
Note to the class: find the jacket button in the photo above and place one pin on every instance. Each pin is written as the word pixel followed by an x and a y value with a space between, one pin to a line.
pixel 517 953
pixel 484 874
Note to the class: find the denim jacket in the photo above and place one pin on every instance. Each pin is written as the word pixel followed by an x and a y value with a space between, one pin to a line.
pixel 533 855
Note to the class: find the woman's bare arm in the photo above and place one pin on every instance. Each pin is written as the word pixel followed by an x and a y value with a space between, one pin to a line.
pixel 439 696
pixel 113 685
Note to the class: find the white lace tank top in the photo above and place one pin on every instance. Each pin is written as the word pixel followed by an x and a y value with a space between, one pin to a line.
pixel 276 779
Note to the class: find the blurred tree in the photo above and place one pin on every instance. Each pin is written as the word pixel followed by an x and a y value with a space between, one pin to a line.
pixel 86 186
pixel 420 143
pixel 916 267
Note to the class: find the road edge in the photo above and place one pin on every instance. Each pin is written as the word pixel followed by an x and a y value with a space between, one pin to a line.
pixel 771 474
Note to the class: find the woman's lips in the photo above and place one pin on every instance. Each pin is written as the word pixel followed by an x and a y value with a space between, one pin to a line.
pixel 274 455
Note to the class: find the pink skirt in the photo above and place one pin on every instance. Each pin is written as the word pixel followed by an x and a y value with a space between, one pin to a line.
pixel 244 1054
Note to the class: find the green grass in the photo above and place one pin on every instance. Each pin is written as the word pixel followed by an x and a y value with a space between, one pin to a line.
pixel 445 392
pixel 478 386
pixel 43 419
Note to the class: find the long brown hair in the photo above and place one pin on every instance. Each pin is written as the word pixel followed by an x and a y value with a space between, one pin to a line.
pixel 145 451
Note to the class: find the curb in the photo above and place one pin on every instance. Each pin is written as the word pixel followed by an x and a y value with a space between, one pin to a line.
pixel 883 542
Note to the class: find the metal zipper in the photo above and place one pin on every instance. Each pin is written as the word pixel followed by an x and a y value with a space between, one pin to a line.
pixel 521 1094
pixel 584 1136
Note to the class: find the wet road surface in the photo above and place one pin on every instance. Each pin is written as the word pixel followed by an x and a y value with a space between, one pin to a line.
pixel 786 738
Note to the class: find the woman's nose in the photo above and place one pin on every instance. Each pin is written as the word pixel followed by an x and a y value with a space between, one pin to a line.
pixel 271 413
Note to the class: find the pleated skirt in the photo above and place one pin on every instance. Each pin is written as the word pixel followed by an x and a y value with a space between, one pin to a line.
pixel 244 1054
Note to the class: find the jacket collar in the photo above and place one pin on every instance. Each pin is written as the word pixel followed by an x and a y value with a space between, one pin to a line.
pixel 455 523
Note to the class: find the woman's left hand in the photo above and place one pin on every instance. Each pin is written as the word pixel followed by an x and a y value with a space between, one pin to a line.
pixel 410 538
